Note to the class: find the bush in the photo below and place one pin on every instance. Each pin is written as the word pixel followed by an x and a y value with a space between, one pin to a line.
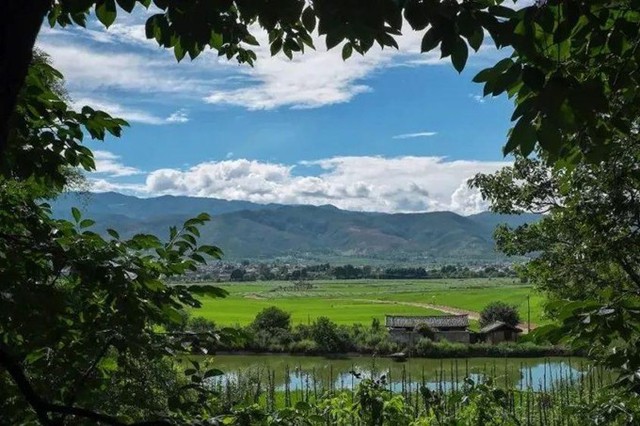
pixel 499 311
pixel 325 334
pixel 301 332
pixel 387 347
pixel 306 346
pixel 200 325
pixel 444 349
pixel 271 319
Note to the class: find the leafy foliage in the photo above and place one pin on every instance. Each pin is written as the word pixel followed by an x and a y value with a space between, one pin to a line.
pixel 586 249
pixel 325 333
pixel 499 311
pixel 272 319
pixel 78 309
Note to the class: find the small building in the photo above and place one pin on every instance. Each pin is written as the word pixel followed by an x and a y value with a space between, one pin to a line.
pixel 454 328
pixel 500 332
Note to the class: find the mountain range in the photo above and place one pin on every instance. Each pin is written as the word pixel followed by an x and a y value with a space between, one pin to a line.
pixel 246 230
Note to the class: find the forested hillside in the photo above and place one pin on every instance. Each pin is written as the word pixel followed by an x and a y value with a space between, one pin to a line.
pixel 249 230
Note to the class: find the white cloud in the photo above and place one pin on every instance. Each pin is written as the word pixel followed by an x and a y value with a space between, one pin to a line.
pixel 127 61
pixel 103 185
pixel 318 77
pixel 415 135
pixel 478 98
pixel 109 164
pixel 366 183
pixel 179 116
pixel 133 115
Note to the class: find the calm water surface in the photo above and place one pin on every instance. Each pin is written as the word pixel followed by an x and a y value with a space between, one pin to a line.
pixel 296 372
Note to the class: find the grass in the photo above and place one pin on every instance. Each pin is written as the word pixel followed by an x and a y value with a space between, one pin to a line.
pixel 359 301
pixel 242 311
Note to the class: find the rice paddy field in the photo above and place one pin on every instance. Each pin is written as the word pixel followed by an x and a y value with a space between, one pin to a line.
pixel 360 301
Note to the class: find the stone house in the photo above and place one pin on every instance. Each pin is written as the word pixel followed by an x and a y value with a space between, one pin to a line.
pixel 454 328
pixel 500 332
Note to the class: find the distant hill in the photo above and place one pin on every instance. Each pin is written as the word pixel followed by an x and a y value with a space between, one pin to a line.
pixel 247 230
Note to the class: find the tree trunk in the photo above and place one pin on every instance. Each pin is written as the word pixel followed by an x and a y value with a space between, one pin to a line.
pixel 20 21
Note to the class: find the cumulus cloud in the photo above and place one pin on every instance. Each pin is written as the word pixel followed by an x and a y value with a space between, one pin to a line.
pixel 363 183
pixel 415 135
pixel 108 163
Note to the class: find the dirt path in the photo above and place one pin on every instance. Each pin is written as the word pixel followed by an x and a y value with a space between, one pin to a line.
pixel 446 309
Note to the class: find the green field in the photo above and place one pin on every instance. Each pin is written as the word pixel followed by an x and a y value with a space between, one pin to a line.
pixel 359 301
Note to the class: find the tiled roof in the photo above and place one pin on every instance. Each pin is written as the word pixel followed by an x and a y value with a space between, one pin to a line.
pixel 442 321
pixel 497 326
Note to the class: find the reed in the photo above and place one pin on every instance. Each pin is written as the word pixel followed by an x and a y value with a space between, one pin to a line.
pixel 528 400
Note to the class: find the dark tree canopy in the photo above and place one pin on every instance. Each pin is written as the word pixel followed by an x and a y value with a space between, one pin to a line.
pixel 585 251
pixel 271 319
pixel 499 311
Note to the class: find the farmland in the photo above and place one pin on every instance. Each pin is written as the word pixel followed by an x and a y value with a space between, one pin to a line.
pixel 359 301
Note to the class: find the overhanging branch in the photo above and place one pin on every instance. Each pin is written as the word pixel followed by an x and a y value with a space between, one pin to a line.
pixel 44 408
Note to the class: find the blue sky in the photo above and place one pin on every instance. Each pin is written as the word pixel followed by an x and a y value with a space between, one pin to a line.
pixel 393 131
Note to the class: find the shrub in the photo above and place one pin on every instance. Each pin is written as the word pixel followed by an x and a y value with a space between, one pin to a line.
pixel 386 347
pixel 301 332
pixel 325 334
pixel 499 311
pixel 375 324
pixel 271 319
pixel 200 325
pixel 306 346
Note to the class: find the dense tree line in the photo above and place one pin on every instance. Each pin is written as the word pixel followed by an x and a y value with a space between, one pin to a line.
pixel 275 272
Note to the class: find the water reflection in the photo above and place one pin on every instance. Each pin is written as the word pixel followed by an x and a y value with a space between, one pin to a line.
pixel 319 374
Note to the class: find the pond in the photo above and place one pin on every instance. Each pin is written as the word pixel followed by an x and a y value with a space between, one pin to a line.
pixel 304 373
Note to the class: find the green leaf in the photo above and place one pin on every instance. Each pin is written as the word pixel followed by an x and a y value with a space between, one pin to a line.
pixel 127 5
pixel 173 315
pixel 106 12
pixel 303 406
pixel 347 50
pixel 87 223
pixel 475 39
pixel 113 233
pixel 207 290
pixel 309 19
pixel 333 39
pixel 549 137
pixel 533 77
pixel 523 135
pixel 154 285
pixel 484 75
pixel 214 372
pixel 179 52
pixel 76 214
pixel 459 54
pixel 430 40
pixel 276 46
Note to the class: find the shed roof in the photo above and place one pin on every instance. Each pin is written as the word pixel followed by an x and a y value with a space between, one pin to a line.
pixel 499 325
pixel 441 321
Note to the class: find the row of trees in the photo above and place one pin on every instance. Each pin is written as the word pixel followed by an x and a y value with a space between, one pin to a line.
pixel 349 272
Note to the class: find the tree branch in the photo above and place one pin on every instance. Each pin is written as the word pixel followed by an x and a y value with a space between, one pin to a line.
pixel 43 408
pixel 630 271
